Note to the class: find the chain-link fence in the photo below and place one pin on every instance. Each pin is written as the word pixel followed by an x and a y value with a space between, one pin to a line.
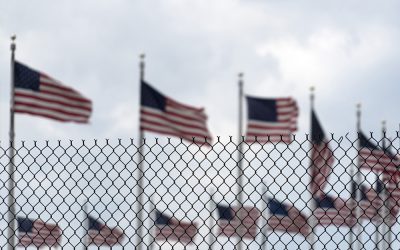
pixel 166 193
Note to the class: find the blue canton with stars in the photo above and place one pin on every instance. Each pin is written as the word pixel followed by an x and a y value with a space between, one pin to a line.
pixel 26 78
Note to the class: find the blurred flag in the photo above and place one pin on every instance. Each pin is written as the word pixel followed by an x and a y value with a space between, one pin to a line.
pixel 100 234
pixel 333 211
pixel 40 95
pixel 271 120
pixel 169 228
pixel 161 114
pixel 391 181
pixel 287 218
pixel 230 225
pixel 384 162
pixel 37 233
pixel 369 201
pixel 372 157
pixel 321 157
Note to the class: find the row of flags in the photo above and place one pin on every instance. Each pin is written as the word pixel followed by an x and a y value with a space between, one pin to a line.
pixel 280 216
pixel 39 233
pixel 269 120
pixel 35 93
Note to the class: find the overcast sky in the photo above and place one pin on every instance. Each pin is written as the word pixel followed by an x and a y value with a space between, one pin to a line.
pixel 194 51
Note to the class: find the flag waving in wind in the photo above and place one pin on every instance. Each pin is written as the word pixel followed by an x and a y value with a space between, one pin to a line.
pixel 321 157
pixel 169 228
pixel 230 225
pixel 271 120
pixel 100 234
pixel 370 202
pixel 161 114
pixel 37 94
pixel 38 233
pixel 287 218
pixel 372 157
pixel 333 211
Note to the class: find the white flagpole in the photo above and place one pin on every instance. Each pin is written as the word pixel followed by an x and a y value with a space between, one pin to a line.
pixel 211 236
pixel 353 204
pixel 11 229
pixel 140 235
pixel 312 220
pixel 240 163
pixel 265 215
pixel 357 229
pixel 153 222
pixel 386 212
pixel 378 234
pixel 86 226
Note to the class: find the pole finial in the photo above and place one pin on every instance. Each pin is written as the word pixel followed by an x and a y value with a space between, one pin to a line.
pixel 358 105
pixel 142 56
pixel 240 75
pixel 13 38
pixel 312 89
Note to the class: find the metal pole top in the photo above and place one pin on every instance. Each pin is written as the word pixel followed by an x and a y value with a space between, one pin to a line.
pixel 13 38
pixel 240 75
pixel 312 90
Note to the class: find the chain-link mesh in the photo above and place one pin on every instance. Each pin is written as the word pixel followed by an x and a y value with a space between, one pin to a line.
pixel 85 194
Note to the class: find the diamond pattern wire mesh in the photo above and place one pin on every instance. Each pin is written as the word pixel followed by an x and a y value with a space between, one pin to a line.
pixel 63 182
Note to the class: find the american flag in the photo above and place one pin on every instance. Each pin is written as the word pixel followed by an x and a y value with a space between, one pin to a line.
pixel 271 120
pixel 287 218
pixel 40 95
pixel 230 225
pixel 169 228
pixel 321 158
pixel 100 234
pixel 372 157
pixel 392 181
pixel 161 114
pixel 37 233
pixel 369 202
pixel 333 211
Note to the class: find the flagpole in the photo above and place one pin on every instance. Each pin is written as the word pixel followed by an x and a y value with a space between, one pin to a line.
pixel 358 181
pixel 140 162
pixel 265 212
pixel 313 222
pixel 152 211
pixel 377 226
pixel 390 227
pixel 86 224
pixel 211 237
pixel 353 175
pixel 11 229
pixel 240 161
pixel 386 213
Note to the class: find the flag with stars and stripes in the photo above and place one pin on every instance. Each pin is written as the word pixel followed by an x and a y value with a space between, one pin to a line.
pixel 322 157
pixel 161 114
pixel 271 120
pixel 37 233
pixel 37 94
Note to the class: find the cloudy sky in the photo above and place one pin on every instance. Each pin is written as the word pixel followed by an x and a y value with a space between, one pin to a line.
pixel 194 51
